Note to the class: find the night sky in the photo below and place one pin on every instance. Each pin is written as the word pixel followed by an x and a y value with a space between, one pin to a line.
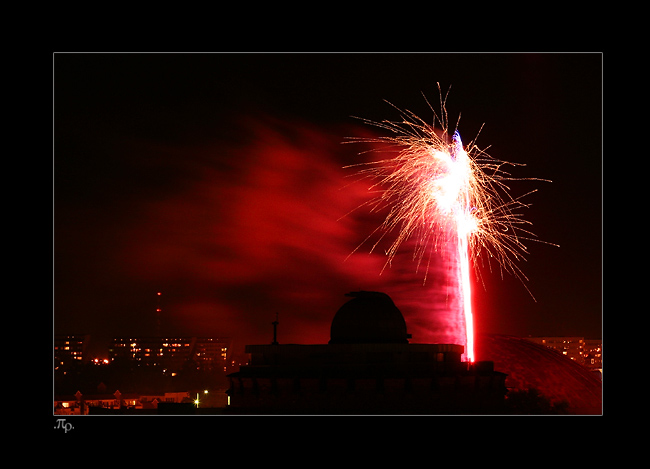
pixel 219 180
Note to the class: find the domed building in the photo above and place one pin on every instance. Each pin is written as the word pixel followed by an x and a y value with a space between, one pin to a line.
pixel 369 318
pixel 368 367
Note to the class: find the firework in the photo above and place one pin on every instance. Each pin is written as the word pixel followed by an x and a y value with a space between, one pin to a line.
pixel 439 193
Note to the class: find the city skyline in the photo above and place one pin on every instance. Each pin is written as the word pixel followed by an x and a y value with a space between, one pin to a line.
pixel 218 180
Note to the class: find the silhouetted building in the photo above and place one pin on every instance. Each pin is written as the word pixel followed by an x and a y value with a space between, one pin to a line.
pixel 172 353
pixel 84 404
pixel 572 347
pixel 593 354
pixel 69 350
pixel 368 366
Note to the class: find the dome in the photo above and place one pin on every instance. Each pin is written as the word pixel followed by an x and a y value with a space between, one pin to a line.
pixel 370 317
pixel 529 365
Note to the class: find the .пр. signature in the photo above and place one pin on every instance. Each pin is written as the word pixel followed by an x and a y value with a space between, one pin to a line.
pixel 62 424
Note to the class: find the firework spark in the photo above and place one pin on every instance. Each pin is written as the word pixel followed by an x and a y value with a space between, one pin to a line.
pixel 439 193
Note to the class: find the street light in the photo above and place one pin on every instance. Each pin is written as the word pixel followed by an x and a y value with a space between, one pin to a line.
pixel 196 401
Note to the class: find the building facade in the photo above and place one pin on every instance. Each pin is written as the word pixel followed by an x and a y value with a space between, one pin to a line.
pixel 592 353
pixel 172 353
pixel 587 352
pixel 82 404
pixel 69 350
pixel 368 366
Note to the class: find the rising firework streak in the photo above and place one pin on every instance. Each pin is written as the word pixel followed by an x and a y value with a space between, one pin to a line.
pixel 440 193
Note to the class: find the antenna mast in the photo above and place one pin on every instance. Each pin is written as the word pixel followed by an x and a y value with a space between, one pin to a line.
pixel 158 313
pixel 275 330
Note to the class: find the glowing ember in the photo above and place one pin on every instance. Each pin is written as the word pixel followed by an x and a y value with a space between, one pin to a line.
pixel 441 194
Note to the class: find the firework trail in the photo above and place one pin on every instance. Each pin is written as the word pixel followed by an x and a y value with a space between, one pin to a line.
pixel 438 194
